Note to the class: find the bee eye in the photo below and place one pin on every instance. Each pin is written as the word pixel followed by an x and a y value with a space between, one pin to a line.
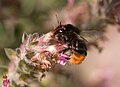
pixel 60 31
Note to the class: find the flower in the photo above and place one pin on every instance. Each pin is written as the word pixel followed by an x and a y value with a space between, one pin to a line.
pixel 5 81
pixel 62 59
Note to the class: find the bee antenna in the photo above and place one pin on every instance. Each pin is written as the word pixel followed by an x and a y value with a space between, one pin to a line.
pixel 59 22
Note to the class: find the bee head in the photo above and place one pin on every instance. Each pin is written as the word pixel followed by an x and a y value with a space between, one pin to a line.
pixel 64 33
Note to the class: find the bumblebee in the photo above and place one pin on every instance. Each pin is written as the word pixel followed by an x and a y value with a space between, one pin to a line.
pixel 70 35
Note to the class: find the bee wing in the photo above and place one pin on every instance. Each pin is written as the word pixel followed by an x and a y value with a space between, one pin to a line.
pixel 92 35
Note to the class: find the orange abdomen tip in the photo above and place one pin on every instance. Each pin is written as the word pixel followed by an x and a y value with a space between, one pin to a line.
pixel 76 59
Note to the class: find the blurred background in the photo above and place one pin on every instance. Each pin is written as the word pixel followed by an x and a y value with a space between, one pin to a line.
pixel 99 69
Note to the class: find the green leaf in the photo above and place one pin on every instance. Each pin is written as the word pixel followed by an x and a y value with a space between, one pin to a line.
pixel 34 37
pixel 34 43
pixel 11 54
pixel 24 37
pixel 29 55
